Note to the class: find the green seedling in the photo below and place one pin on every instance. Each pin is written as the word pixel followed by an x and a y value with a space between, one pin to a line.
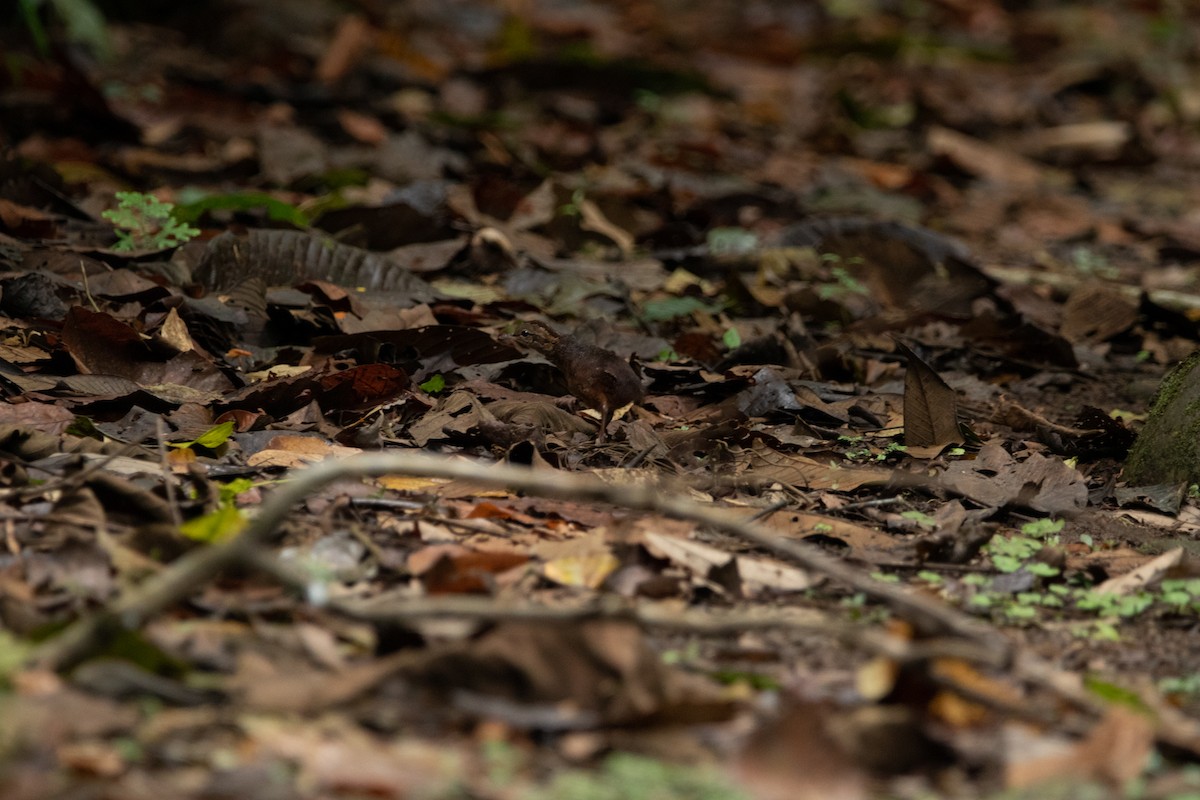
pixel 843 282
pixel 731 241
pixel 1010 553
pixel 82 19
pixel 193 204
pixel 624 776
pixel 669 308
pixel 211 439
pixel 1041 528
pixel 145 223
pixel 215 526
pixel 574 207
pixel 666 356
pixel 922 519
pixel 226 521
pixel 435 384
pixel 1181 685
pixel 1090 262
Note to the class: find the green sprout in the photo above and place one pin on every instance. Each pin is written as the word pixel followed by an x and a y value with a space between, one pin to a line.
pixel 435 384
pixel 922 519
pixel 145 223
pixel 1041 528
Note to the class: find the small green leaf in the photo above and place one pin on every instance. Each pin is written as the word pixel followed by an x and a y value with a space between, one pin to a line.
pixel 1134 604
pixel 1176 598
pixel 144 222
pixel 12 655
pixel 756 681
pixel 731 241
pixel 84 428
pixel 229 491
pixel 921 518
pixel 1187 684
pixel 85 24
pixel 1113 693
pixel 212 438
pixel 1006 563
pixel 226 521
pixel 277 210
pixel 216 436
pixel 1096 601
pixel 132 646
pixel 732 339
pixel 1041 528
pixel 435 384
pixel 1105 632
pixel 668 308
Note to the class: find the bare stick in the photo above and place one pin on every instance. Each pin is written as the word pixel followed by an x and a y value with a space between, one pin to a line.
pixel 188 573
pixel 473 607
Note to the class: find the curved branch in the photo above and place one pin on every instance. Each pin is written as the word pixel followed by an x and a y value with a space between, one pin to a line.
pixel 180 579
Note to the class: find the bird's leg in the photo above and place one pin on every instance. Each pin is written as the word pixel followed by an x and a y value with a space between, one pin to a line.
pixel 606 415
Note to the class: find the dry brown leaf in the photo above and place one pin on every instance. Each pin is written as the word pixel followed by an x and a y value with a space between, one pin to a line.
pixel 794 758
pixel 995 479
pixel 1114 751
pixel 930 405
pixel 1176 563
pixel 982 159
pixel 765 464
pixel 298 451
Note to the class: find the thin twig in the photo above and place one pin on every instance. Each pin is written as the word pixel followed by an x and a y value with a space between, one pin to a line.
pixel 872 503
pixel 763 513
pixel 133 609
pixel 169 480
pixel 795 620
pixel 72 481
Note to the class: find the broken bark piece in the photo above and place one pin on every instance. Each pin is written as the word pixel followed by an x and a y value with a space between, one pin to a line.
pixel 598 377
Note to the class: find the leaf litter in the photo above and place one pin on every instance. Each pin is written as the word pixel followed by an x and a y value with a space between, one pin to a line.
pixel 890 296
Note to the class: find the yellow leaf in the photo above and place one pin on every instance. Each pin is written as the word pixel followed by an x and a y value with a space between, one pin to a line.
pixel 589 570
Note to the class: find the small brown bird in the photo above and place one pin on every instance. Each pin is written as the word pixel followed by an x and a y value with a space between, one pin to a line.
pixel 598 377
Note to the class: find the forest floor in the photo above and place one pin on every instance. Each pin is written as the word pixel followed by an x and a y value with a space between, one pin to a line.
pixel 309 312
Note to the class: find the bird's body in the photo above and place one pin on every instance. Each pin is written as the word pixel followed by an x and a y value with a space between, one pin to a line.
pixel 600 378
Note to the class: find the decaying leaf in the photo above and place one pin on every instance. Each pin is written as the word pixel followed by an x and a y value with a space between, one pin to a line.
pixel 930 405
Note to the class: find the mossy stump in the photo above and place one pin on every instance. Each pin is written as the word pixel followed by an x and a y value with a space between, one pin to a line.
pixel 1168 448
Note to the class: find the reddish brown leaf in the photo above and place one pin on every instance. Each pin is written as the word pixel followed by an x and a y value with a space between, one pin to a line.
pixel 361 387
